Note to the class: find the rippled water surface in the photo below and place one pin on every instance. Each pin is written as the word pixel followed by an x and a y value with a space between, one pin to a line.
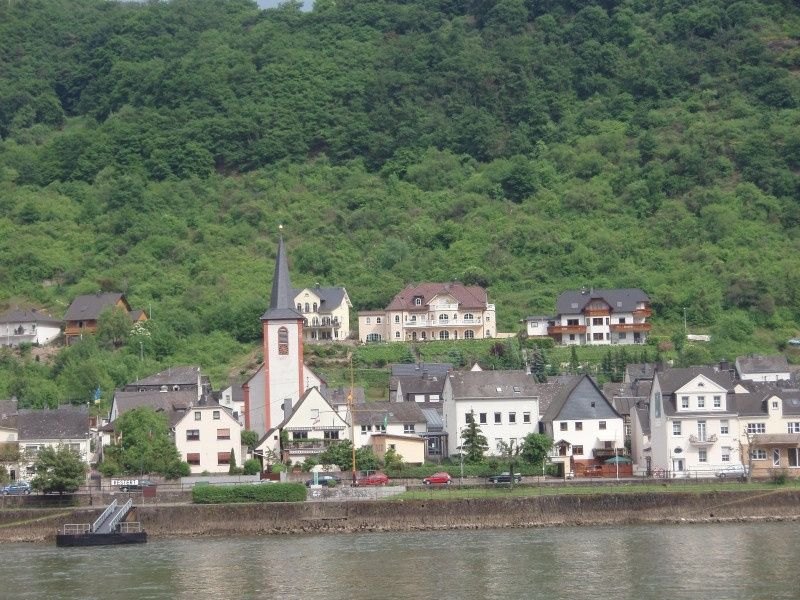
pixel 642 562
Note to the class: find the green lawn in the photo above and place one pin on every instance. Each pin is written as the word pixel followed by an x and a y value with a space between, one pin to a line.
pixel 452 493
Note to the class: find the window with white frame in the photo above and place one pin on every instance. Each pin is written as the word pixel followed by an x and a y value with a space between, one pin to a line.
pixel 408 428
pixel 794 427
pixel 577 450
pixel 498 418
pixel 526 417
pixel 397 318
pixel 724 427
pixel 794 457
pixel 378 320
pixel 512 418
pixel 776 457
pixel 701 402
pixel 702 456
pixel 684 401
pixel 563 426
pixel 755 428
pixel 397 334
pixel 601 425
pixel 417 301
pixel 369 320
pixel 676 428
pixel 759 454
pixel 482 418
pixel 726 453
pixel 717 401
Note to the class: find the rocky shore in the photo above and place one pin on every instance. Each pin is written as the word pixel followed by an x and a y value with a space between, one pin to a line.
pixel 162 521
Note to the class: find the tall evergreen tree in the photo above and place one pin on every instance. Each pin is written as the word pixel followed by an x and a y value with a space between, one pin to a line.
pixel 473 442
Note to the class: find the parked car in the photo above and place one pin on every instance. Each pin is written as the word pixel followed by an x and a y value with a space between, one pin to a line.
pixel 505 478
pixel 132 485
pixel 18 488
pixel 372 479
pixel 732 472
pixel 794 342
pixel 325 480
pixel 441 477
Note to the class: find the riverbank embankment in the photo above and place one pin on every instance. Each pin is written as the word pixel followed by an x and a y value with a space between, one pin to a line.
pixel 184 520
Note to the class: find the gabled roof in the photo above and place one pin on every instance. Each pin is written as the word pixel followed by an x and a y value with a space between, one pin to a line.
pixel 184 415
pixel 330 298
pixel 642 411
pixel 281 302
pixel 546 393
pixel 418 369
pixel 418 385
pixel 472 296
pixel 90 306
pixel 476 385
pixel 300 402
pixel 673 379
pixel 32 315
pixel 762 364
pixel 634 371
pixel 373 413
pixel 183 375
pixel 65 422
pixel 172 404
pixel 580 399
pixel 619 299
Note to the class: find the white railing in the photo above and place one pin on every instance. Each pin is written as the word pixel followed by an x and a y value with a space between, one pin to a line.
pixel 130 527
pixel 111 507
pixel 443 307
pixel 122 513
pixel 75 528
pixel 444 323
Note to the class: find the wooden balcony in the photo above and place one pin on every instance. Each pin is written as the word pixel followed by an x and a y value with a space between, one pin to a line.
pixel 630 327
pixel 565 329
pixel 597 312
pixel 643 312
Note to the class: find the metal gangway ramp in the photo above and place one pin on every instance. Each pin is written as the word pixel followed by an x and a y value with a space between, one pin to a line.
pixel 107 522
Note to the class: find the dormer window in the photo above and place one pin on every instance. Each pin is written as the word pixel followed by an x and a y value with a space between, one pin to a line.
pixel 176 388
pixel 775 404
pixel 418 301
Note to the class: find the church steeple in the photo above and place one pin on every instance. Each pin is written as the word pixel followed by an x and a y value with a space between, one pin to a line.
pixel 281 301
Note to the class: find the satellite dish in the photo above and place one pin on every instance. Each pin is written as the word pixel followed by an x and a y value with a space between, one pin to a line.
pixel 678 450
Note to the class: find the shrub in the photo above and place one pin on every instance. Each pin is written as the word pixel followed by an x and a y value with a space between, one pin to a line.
pixel 779 476
pixel 273 492
pixel 251 466
pixel 545 343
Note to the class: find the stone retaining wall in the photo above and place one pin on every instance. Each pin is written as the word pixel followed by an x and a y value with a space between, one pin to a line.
pixel 353 516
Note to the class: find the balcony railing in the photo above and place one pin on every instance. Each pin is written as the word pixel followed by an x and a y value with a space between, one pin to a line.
pixel 327 325
pixel 597 312
pixel 436 307
pixel 443 323
pixel 630 327
pixel 312 446
pixel 705 440
pixel 643 312
pixel 561 329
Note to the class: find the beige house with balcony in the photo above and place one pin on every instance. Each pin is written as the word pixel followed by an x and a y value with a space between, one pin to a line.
pixel 596 317
pixel 205 437
pixel 431 311
pixel 769 426
pixel 326 310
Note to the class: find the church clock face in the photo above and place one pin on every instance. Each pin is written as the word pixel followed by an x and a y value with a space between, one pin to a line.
pixel 283 341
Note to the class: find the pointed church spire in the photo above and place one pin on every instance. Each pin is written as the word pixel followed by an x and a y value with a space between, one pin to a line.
pixel 281 300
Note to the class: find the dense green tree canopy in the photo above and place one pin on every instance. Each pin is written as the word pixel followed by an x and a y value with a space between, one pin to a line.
pixel 60 469
pixel 153 148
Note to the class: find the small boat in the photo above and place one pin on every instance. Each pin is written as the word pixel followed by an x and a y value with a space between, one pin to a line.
pixel 109 528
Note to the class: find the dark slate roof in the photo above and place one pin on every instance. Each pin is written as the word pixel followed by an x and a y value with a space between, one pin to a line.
pixel 634 371
pixel 183 375
pixel 136 314
pixel 471 296
pixel 237 393
pixel 418 385
pixel 173 404
pixel 643 413
pixel 91 305
pixel 546 393
pixel 762 364
pixel 330 298
pixel 373 413
pixel 674 379
pixel 281 301
pixel 21 315
pixel 624 396
pixel 417 369
pixel 620 300
pixel 492 385
pixel 574 402
pixel 754 404
pixel 338 396
pixel 65 422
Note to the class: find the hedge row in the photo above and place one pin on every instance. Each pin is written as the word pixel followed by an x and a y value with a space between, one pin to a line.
pixel 265 492
pixel 478 470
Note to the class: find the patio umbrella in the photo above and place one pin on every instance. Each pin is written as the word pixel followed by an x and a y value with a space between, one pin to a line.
pixel 618 460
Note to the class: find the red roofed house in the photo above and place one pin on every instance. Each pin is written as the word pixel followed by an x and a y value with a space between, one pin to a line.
pixel 431 311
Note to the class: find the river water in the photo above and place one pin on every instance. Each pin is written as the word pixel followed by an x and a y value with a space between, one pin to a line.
pixel 670 562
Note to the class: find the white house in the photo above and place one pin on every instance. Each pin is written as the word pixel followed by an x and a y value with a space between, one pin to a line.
pixel 693 422
pixel 312 425
pixel 595 317
pixel 504 404
pixel 326 310
pixel 763 368
pixel 67 425
pixel 585 422
pixel 31 326
pixel 206 436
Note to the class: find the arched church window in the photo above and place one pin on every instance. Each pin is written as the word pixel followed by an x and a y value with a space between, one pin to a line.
pixel 307 309
pixel 283 341
pixel 299 307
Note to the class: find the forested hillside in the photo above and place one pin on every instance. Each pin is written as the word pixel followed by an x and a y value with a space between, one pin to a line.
pixel 526 145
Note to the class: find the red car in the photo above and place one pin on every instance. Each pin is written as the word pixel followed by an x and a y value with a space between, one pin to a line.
pixel 441 477
pixel 373 479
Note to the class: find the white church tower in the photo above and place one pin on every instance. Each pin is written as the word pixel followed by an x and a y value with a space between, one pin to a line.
pixel 271 393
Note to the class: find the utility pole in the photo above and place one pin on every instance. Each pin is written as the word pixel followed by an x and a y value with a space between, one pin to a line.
pixel 351 408
pixel 684 320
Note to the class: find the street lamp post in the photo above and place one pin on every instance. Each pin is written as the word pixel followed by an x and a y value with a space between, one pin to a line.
pixel 684 320
pixel 616 460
